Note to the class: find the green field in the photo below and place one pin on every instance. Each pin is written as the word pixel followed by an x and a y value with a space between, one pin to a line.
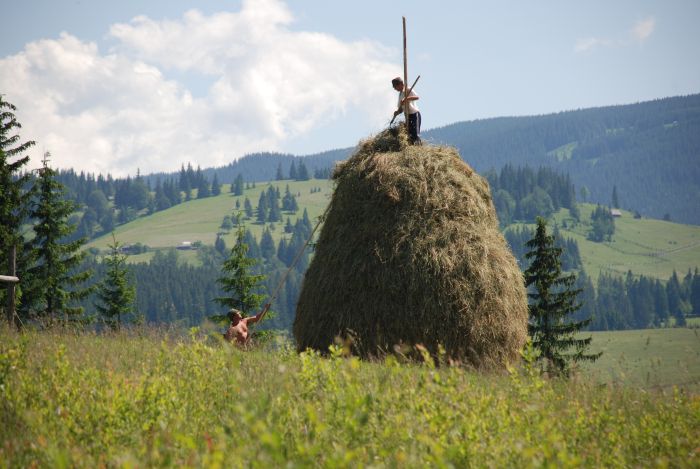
pixel 645 246
pixel 150 399
pixel 200 219
pixel 648 358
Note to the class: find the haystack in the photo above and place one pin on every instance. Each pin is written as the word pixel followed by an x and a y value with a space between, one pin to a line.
pixel 410 253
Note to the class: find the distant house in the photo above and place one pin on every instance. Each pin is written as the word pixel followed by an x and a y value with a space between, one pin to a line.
pixel 185 246
pixel 128 249
pixel 616 213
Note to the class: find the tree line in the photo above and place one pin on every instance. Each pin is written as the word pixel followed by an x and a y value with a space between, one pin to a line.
pixel 523 193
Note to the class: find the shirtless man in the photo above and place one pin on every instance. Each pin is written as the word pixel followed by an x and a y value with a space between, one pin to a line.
pixel 238 330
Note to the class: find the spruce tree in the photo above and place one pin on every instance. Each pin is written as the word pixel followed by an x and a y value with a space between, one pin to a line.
pixel 267 246
pixel 248 208
pixel 15 197
pixel 116 293
pixel 55 277
pixel 302 172
pixel 554 299
pixel 263 208
pixel 615 199
pixel 215 186
pixel 237 280
pixel 280 175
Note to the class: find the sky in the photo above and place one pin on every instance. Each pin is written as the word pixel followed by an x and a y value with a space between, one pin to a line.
pixel 117 87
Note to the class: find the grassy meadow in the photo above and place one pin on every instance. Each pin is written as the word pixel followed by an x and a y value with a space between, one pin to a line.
pixel 647 358
pixel 152 399
pixel 200 219
pixel 649 247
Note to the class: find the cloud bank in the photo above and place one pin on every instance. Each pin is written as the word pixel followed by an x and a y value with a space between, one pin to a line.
pixel 127 108
pixel 639 33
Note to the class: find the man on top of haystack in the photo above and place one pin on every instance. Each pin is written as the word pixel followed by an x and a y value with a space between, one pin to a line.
pixel 237 332
pixel 414 116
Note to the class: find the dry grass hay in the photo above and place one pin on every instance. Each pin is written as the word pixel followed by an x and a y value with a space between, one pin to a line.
pixel 410 253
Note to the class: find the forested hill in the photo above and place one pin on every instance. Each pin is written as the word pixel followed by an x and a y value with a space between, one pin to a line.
pixel 650 151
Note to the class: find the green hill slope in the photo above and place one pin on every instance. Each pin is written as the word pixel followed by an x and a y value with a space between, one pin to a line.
pixel 646 246
pixel 200 219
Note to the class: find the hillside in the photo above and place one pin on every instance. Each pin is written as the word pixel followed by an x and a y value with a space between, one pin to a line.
pixel 646 246
pixel 649 150
pixel 200 219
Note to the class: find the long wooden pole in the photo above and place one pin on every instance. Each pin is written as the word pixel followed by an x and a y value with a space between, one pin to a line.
pixel 263 312
pixel 405 75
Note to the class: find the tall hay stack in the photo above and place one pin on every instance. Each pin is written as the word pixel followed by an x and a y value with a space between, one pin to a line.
pixel 410 253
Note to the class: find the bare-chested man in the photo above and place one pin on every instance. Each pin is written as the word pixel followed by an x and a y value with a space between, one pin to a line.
pixel 237 332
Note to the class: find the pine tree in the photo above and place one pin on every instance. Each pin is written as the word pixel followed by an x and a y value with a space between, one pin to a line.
pixel 215 186
pixel 238 281
pixel 280 175
pixel 14 198
pixel 237 186
pixel 263 208
pixel 116 293
pixel 293 171
pixel 267 246
pixel 694 296
pixel 302 172
pixel 220 245
pixel 55 282
pixel 248 208
pixel 553 300
pixel 203 190
pixel 615 199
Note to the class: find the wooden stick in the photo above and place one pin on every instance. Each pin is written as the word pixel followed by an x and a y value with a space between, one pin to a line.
pixel 405 75
pixel 409 92
pixel 263 312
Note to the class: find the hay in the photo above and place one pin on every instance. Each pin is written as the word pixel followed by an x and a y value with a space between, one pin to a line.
pixel 410 253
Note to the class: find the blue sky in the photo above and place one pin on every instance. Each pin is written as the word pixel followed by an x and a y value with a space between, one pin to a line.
pixel 115 86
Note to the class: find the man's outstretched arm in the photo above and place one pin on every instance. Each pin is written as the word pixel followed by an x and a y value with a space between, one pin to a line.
pixel 259 316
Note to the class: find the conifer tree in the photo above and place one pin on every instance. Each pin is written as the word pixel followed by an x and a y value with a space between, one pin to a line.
pixel 237 186
pixel 263 208
pixel 116 293
pixel 302 172
pixel 248 208
pixel 14 197
pixel 615 199
pixel 237 280
pixel 215 186
pixel 280 175
pixel 554 299
pixel 267 246
pixel 293 171
pixel 220 245
pixel 55 281
pixel 203 190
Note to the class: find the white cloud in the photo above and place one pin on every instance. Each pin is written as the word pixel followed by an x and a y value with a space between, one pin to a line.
pixel 643 29
pixel 123 109
pixel 638 34
pixel 589 43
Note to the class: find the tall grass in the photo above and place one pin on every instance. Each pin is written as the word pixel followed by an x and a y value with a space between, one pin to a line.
pixel 155 399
